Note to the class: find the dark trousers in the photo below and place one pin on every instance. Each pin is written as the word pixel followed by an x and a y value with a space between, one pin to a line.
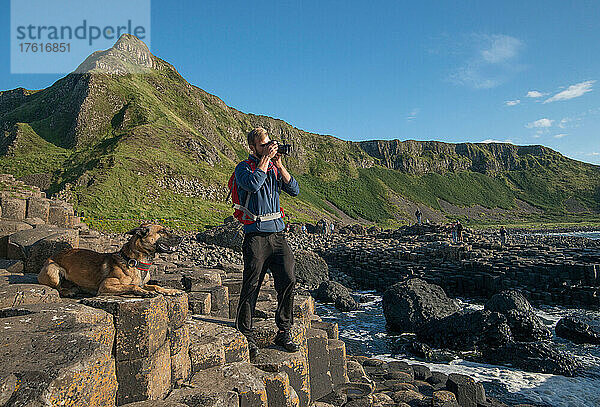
pixel 262 251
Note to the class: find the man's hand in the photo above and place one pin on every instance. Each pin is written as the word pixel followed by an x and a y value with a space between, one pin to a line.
pixel 269 153
pixel 272 150
pixel 277 162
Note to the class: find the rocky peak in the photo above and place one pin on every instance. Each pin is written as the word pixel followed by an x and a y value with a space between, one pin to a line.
pixel 128 55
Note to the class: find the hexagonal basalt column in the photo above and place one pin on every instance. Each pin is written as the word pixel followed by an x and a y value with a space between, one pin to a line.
pixel 294 364
pixel 141 346
pixel 57 354
pixel 140 323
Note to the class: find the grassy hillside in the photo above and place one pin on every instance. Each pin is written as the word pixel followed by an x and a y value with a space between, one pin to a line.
pixel 152 146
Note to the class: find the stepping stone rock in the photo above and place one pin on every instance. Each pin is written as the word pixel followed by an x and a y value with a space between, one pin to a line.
pixel 199 303
pixel 201 280
pixel 337 361
pixel 266 330
pixel 140 324
pixel 38 208
pixel 444 398
pixel 295 365
pixel 321 383
pixel 468 392
pixel 57 353
pixel 235 344
pixel 13 208
pixel 331 328
pixel 177 309
pixel 15 295
pixel 222 384
pixel 146 378
pixel 205 352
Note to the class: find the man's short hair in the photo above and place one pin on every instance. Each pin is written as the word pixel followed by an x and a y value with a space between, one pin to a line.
pixel 257 133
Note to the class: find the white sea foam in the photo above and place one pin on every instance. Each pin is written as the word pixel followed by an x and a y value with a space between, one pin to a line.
pixel 552 390
pixel 365 330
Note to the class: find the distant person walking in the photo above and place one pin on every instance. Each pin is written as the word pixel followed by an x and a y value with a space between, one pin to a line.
pixel 454 231
pixel 503 233
pixel 419 216
pixel 459 231
pixel 303 228
pixel 332 227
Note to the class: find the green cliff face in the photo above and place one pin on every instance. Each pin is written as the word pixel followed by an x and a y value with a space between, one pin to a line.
pixel 149 145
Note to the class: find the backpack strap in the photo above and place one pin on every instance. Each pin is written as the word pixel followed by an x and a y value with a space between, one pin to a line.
pixel 249 215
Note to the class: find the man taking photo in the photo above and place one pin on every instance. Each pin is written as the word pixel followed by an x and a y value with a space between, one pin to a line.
pixel 265 246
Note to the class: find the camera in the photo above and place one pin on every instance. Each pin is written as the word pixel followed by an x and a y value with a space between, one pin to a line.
pixel 285 149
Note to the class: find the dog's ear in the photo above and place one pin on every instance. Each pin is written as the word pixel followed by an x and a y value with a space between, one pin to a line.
pixel 140 231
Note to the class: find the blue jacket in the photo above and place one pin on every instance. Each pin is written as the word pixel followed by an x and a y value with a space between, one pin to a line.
pixel 265 189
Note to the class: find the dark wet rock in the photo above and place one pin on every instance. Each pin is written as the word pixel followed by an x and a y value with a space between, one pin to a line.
pixel 466 331
pixel 468 392
pixel 524 324
pixel 399 366
pixel 438 380
pixel 366 401
pixel 310 269
pixel 411 303
pixel 444 398
pixel 382 399
pixel 508 300
pixel 355 371
pixel 422 372
pixel 398 376
pixel 230 234
pixel 374 362
pixel 407 396
pixel 541 356
pixel 583 329
pixel 420 350
pixel 333 292
pixel 332 399
pixel 492 402
pixel 424 387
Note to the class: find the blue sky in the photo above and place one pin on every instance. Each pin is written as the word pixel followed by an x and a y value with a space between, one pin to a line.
pixel 522 72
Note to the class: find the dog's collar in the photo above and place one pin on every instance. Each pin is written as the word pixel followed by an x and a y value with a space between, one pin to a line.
pixel 135 263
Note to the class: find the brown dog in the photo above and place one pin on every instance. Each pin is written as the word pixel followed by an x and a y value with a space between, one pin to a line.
pixel 124 272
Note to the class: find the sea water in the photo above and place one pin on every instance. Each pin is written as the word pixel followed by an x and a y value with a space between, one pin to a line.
pixel 364 333
pixel 590 235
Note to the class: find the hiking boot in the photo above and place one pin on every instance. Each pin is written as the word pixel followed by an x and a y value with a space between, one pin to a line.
pixel 252 348
pixel 284 339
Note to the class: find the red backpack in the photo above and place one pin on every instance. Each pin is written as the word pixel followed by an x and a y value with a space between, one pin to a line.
pixel 241 212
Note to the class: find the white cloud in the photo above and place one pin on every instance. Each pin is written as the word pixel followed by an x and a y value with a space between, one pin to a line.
pixel 488 141
pixel 512 102
pixel 492 61
pixel 501 48
pixel 534 94
pixel 541 123
pixel 413 114
pixel 572 91
pixel 560 135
